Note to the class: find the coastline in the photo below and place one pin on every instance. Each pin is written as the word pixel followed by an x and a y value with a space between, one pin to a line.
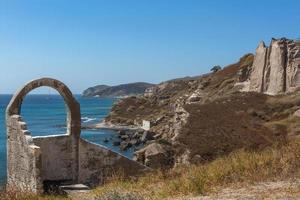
pixel 104 125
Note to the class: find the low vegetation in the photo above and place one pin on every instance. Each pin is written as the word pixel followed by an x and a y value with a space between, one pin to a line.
pixel 271 164
pixel 6 195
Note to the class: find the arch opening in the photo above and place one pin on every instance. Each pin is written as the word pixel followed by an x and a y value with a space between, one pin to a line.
pixel 73 107
pixel 45 113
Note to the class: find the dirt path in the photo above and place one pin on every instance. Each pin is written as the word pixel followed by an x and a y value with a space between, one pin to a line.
pixel 280 190
pixel 286 190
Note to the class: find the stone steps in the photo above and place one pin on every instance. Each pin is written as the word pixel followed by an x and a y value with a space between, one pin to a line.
pixel 75 189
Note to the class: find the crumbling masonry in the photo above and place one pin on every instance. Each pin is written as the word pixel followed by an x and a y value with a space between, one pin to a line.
pixel 68 159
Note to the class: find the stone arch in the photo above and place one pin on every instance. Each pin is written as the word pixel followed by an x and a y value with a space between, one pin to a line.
pixel 33 162
pixel 73 107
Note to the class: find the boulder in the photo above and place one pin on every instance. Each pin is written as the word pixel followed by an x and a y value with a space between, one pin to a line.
pixel 194 98
pixel 124 137
pixel 297 113
pixel 155 156
pixel 134 142
pixel 125 145
pixel 122 132
pixel 147 135
pixel 116 143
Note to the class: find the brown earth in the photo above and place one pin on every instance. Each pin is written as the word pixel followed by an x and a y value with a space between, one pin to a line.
pixel 228 124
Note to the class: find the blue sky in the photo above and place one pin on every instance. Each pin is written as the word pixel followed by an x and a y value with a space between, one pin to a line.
pixel 85 43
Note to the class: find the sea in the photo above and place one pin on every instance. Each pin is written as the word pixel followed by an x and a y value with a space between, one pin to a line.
pixel 46 115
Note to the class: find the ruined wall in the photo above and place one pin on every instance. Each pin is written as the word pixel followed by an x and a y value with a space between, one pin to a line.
pixel 24 158
pixel 56 157
pixel 276 68
pixel 96 163
pixel 64 158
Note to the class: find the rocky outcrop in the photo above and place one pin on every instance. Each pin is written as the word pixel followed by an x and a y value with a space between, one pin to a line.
pixel 130 138
pixel 293 66
pixel 257 74
pixel 155 156
pixel 275 68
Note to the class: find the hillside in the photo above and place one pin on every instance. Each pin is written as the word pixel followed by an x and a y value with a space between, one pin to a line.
pixel 199 119
pixel 129 89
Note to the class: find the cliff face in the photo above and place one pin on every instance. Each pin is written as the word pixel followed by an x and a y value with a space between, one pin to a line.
pixel 92 91
pixel 276 68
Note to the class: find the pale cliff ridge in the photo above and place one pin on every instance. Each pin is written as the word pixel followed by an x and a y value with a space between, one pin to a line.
pixel 130 89
pixel 275 68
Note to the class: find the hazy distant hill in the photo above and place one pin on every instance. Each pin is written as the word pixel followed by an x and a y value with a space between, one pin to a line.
pixel 119 90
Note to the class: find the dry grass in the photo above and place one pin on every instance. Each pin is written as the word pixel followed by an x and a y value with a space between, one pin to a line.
pixel 239 167
pixel 9 195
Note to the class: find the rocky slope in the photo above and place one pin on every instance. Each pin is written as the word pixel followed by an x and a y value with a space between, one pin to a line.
pixel 129 89
pixel 198 119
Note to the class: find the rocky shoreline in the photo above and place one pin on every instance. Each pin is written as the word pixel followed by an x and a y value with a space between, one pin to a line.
pixel 110 126
pixel 129 136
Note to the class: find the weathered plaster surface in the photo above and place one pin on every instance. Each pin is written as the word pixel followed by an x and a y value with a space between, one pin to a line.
pixel 57 160
pixel 97 162
pixel 24 161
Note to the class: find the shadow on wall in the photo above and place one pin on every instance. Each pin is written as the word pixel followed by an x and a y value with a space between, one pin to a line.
pixel 67 159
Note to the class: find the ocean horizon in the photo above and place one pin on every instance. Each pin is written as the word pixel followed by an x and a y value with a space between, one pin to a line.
pixel 46 115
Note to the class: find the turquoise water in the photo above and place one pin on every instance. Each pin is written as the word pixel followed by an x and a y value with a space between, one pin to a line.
pixel 46 115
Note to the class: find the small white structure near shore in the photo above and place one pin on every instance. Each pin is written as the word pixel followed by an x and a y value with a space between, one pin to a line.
pixel 146 125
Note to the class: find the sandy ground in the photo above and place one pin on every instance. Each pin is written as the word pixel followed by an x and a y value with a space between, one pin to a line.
pixel 286 190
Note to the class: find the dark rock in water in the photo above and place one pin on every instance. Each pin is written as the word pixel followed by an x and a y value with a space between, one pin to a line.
pixel 125 145
pixel 124 137
pixel 105 140
pixel 136 135
pixel 122 132
pixel 116 143
pixel 134 142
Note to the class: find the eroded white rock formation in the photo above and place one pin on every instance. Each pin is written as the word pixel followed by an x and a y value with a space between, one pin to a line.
pixel 275 68
pixel 257 74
